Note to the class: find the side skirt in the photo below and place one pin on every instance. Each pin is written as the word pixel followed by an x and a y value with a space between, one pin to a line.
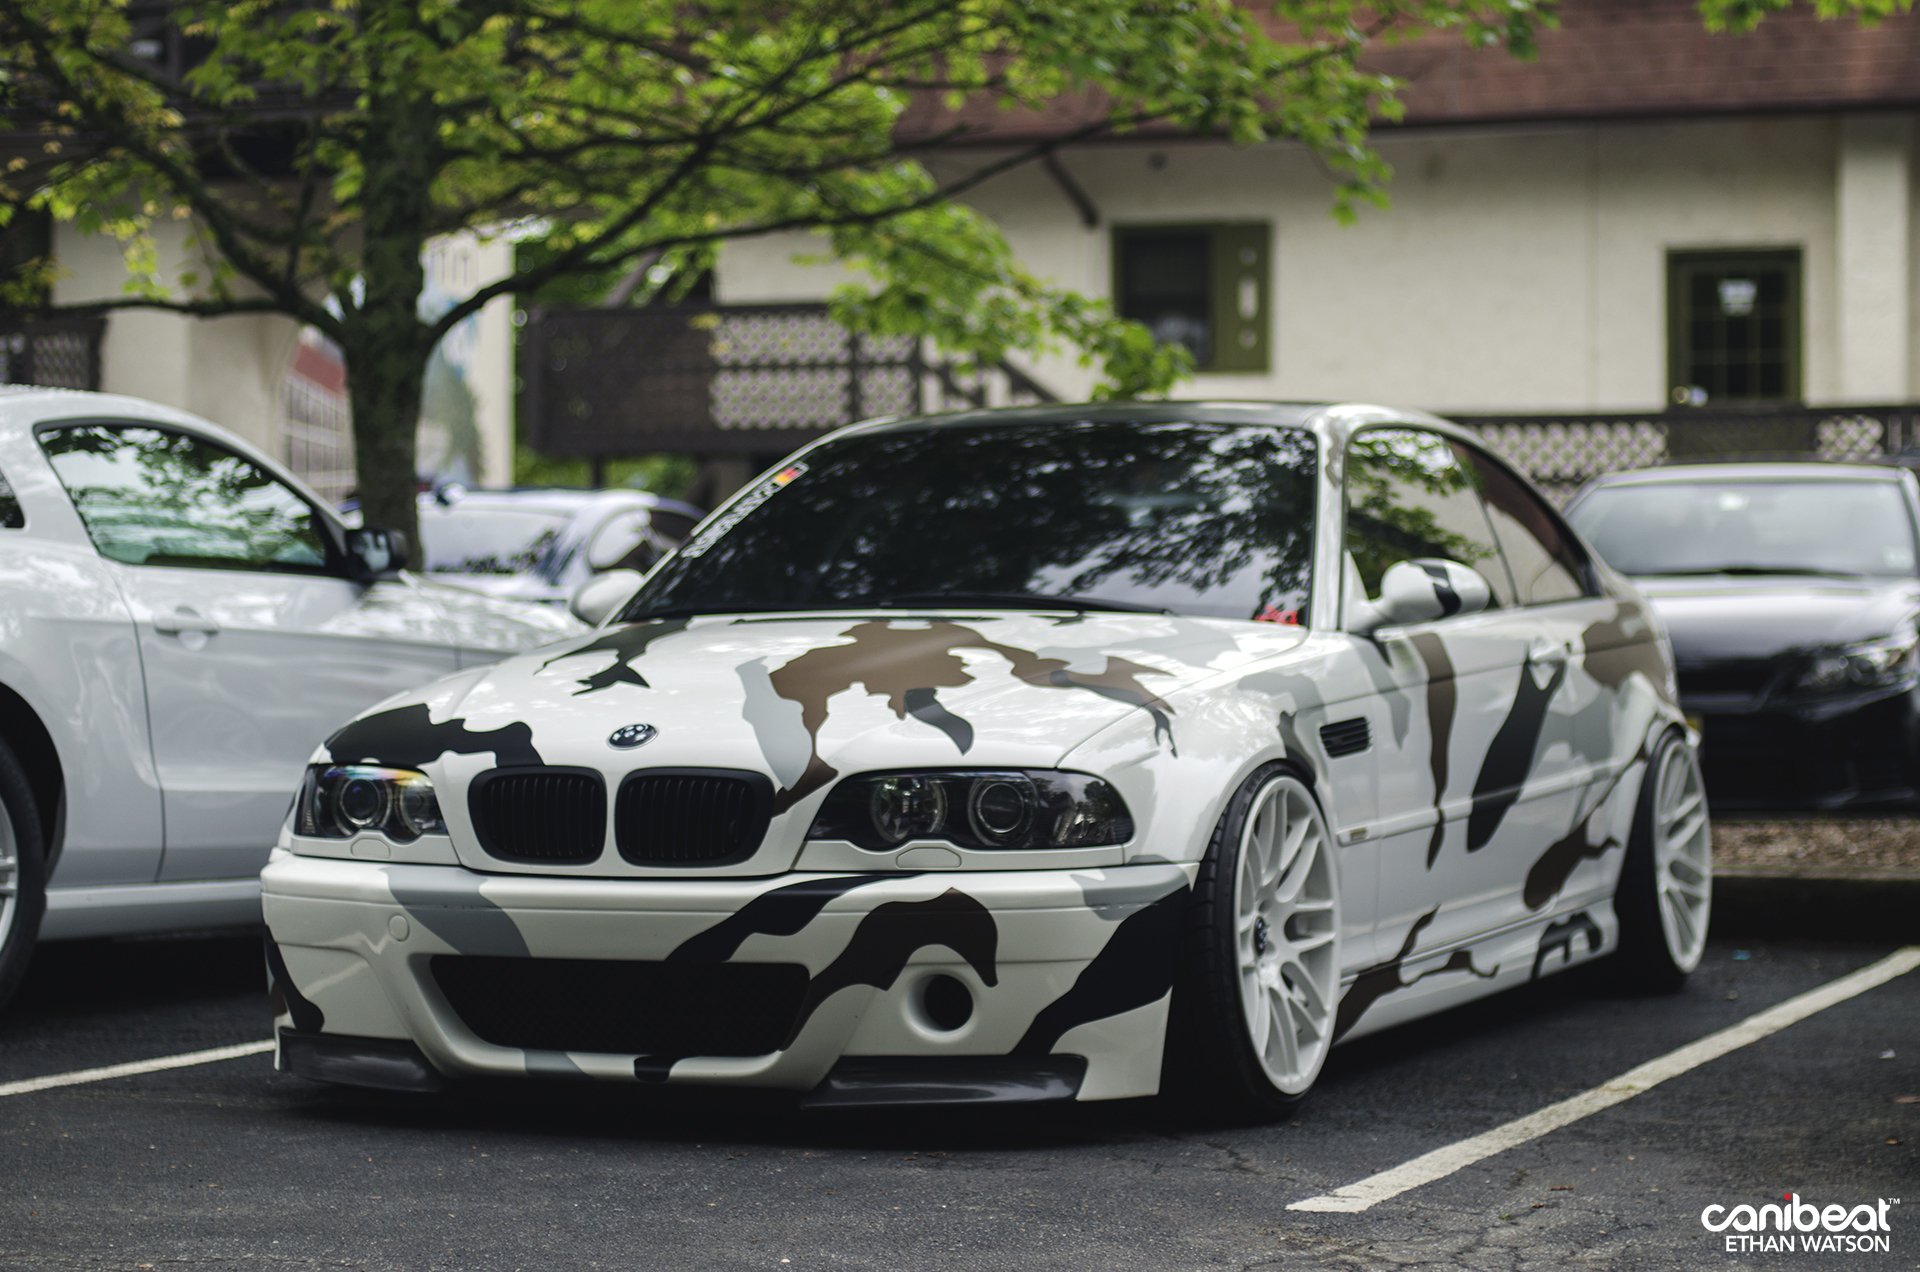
pixel 1428 982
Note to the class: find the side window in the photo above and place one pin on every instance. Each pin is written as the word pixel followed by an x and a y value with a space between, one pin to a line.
pixel 11 517
pixel 1546 567
pixel 152 496
pixel 1409 496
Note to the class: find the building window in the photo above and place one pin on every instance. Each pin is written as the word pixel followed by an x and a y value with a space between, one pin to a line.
pixel 1203 286
pixel 1733 326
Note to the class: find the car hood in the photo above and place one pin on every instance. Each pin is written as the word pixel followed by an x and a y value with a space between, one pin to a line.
pixel 1762 616
pixel 805 698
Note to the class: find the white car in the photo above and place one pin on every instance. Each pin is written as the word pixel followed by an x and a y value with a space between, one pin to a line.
pixel 544 545
pixel 1009 755
pixel 179 620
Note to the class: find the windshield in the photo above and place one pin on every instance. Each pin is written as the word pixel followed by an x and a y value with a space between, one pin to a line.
pixel 1750 527
pixel 460 540
pixel 1191 518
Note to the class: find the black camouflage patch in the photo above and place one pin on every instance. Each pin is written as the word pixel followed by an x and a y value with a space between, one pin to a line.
pixel 406 737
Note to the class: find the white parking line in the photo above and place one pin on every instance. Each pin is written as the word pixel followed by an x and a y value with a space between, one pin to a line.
pixel 1442 1162
pixel 28 1086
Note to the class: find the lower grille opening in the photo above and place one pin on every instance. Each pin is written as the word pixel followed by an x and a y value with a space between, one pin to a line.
pixel 605 1005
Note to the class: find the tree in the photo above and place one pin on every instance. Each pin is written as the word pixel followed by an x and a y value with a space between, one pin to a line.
pixel 315 148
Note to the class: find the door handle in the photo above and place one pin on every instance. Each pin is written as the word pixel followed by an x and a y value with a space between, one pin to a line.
pixel 183 621
pixel 1547 653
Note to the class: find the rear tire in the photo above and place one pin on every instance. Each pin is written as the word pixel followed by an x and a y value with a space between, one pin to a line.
pixel 1254 1009
pixel 1665 896
pixel 23 876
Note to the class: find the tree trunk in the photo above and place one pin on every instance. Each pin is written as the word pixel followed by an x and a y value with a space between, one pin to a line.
pixel 385 342
pixel 383 384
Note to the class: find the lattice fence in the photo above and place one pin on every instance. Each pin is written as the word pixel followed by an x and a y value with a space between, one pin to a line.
pixel 61 353
pixel 762 379
pixel 1562 452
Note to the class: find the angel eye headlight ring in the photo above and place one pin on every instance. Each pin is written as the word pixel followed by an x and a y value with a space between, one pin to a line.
pixel 340 801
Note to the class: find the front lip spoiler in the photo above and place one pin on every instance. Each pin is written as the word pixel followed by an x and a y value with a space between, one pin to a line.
pixel 384 1064
pixel 873 1082
pixel 868 1082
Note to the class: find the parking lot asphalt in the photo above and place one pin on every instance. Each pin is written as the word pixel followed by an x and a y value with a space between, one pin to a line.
pixel 228 1164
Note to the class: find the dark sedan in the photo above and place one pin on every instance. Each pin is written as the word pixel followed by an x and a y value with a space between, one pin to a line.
pixel 1790 592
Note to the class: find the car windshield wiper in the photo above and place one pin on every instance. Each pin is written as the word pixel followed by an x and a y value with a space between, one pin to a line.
pixel 732 607
pixel 1790 571
pixel 904 600
pixel 1020 600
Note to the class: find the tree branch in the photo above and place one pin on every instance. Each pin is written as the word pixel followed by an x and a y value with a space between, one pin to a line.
pixel 581 259
pixel 193 308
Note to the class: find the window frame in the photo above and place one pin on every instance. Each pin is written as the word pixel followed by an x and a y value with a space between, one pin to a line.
pixel 1346 477
pixel 726 514
pixel 1222 314
pixel 332 532
pixel 1680 265
pixel 1586 575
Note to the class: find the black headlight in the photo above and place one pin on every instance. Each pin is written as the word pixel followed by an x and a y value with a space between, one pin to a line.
pixel 997 809
pixel 339 801
pixel 1869 664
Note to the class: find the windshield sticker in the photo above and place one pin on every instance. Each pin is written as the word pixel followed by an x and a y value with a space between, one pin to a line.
pixel 704 541
pixel 1274 614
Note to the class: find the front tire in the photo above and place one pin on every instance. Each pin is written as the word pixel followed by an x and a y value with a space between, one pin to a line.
pixel 1253 1016
pixel 23 879
pixel 1665 896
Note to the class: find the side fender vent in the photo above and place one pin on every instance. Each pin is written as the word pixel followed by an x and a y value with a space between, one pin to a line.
pixel 1346 737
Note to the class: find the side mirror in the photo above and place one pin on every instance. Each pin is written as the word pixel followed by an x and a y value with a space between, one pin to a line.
pixel 1420 591
pixel 375 553
pixel 599 597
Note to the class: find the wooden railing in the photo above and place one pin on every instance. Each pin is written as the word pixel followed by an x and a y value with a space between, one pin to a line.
pixel 754 380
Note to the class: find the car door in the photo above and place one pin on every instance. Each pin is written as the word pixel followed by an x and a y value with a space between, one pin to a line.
pixel 1469 790
pixel 1601 717
pixel 255 642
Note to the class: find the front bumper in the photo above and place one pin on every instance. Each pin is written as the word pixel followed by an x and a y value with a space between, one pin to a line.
pixel 1858 750
pixel 868 988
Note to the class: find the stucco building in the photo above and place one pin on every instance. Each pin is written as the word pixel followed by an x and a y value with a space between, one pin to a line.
pixel 1645 215
pixel 265 377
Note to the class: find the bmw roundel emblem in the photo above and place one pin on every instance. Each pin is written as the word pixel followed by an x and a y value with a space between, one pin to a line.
pixel 629 736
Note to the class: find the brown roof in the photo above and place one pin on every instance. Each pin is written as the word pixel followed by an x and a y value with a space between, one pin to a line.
pixel 1607 59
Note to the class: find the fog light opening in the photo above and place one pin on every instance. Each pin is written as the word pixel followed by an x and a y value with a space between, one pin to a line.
pixel 945 1002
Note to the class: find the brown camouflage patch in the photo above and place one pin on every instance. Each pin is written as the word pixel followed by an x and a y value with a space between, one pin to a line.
pixel 909 665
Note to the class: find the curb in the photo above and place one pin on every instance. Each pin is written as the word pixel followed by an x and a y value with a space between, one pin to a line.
pixel 1868 905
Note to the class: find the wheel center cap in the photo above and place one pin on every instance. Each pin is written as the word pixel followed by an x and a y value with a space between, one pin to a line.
pixel 1262 936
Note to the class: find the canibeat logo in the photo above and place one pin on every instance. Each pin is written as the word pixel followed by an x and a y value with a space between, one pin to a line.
pixel 1793 1225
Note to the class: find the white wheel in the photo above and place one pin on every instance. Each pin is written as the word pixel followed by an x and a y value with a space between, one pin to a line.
pixel 1286 934
pixel 1682 856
